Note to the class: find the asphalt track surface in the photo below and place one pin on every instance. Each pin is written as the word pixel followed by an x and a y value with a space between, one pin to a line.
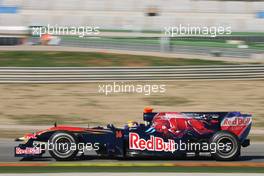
pixel 253 153
pixel 104 74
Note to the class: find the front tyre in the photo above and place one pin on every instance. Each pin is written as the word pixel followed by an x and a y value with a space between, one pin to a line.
pixel 62 146
pixel 227 146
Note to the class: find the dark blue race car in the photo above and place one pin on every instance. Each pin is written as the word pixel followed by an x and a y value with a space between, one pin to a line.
pixel 163 135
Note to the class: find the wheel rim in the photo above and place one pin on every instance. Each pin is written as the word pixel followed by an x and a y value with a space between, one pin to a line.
pixel 63 146
pixel 225 152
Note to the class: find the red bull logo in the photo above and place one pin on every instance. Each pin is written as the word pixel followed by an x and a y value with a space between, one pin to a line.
pixel 236 121
pixel 28 151
pixel 153 144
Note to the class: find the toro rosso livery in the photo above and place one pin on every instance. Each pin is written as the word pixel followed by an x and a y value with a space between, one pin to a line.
pixel 163 135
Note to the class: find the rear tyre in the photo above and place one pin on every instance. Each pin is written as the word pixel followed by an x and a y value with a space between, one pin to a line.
pixel 227 146
pixel 61 146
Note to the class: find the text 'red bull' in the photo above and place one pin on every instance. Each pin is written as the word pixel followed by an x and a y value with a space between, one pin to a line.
pixel 153 144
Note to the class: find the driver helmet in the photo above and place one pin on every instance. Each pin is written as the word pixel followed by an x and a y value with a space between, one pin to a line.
pixel 132 124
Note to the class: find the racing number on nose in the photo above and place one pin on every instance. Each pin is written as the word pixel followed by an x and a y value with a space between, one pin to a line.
pixel 118 134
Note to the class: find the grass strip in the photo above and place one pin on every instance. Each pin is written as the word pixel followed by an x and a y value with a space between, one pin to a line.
pixel 91 59
pixel 207 42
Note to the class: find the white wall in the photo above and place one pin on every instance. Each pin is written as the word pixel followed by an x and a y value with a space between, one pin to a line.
pixel 127 14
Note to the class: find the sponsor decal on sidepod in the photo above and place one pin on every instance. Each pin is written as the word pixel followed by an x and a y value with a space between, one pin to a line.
pixel 153 144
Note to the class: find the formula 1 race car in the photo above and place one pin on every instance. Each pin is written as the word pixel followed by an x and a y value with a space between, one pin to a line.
pixel 163 135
